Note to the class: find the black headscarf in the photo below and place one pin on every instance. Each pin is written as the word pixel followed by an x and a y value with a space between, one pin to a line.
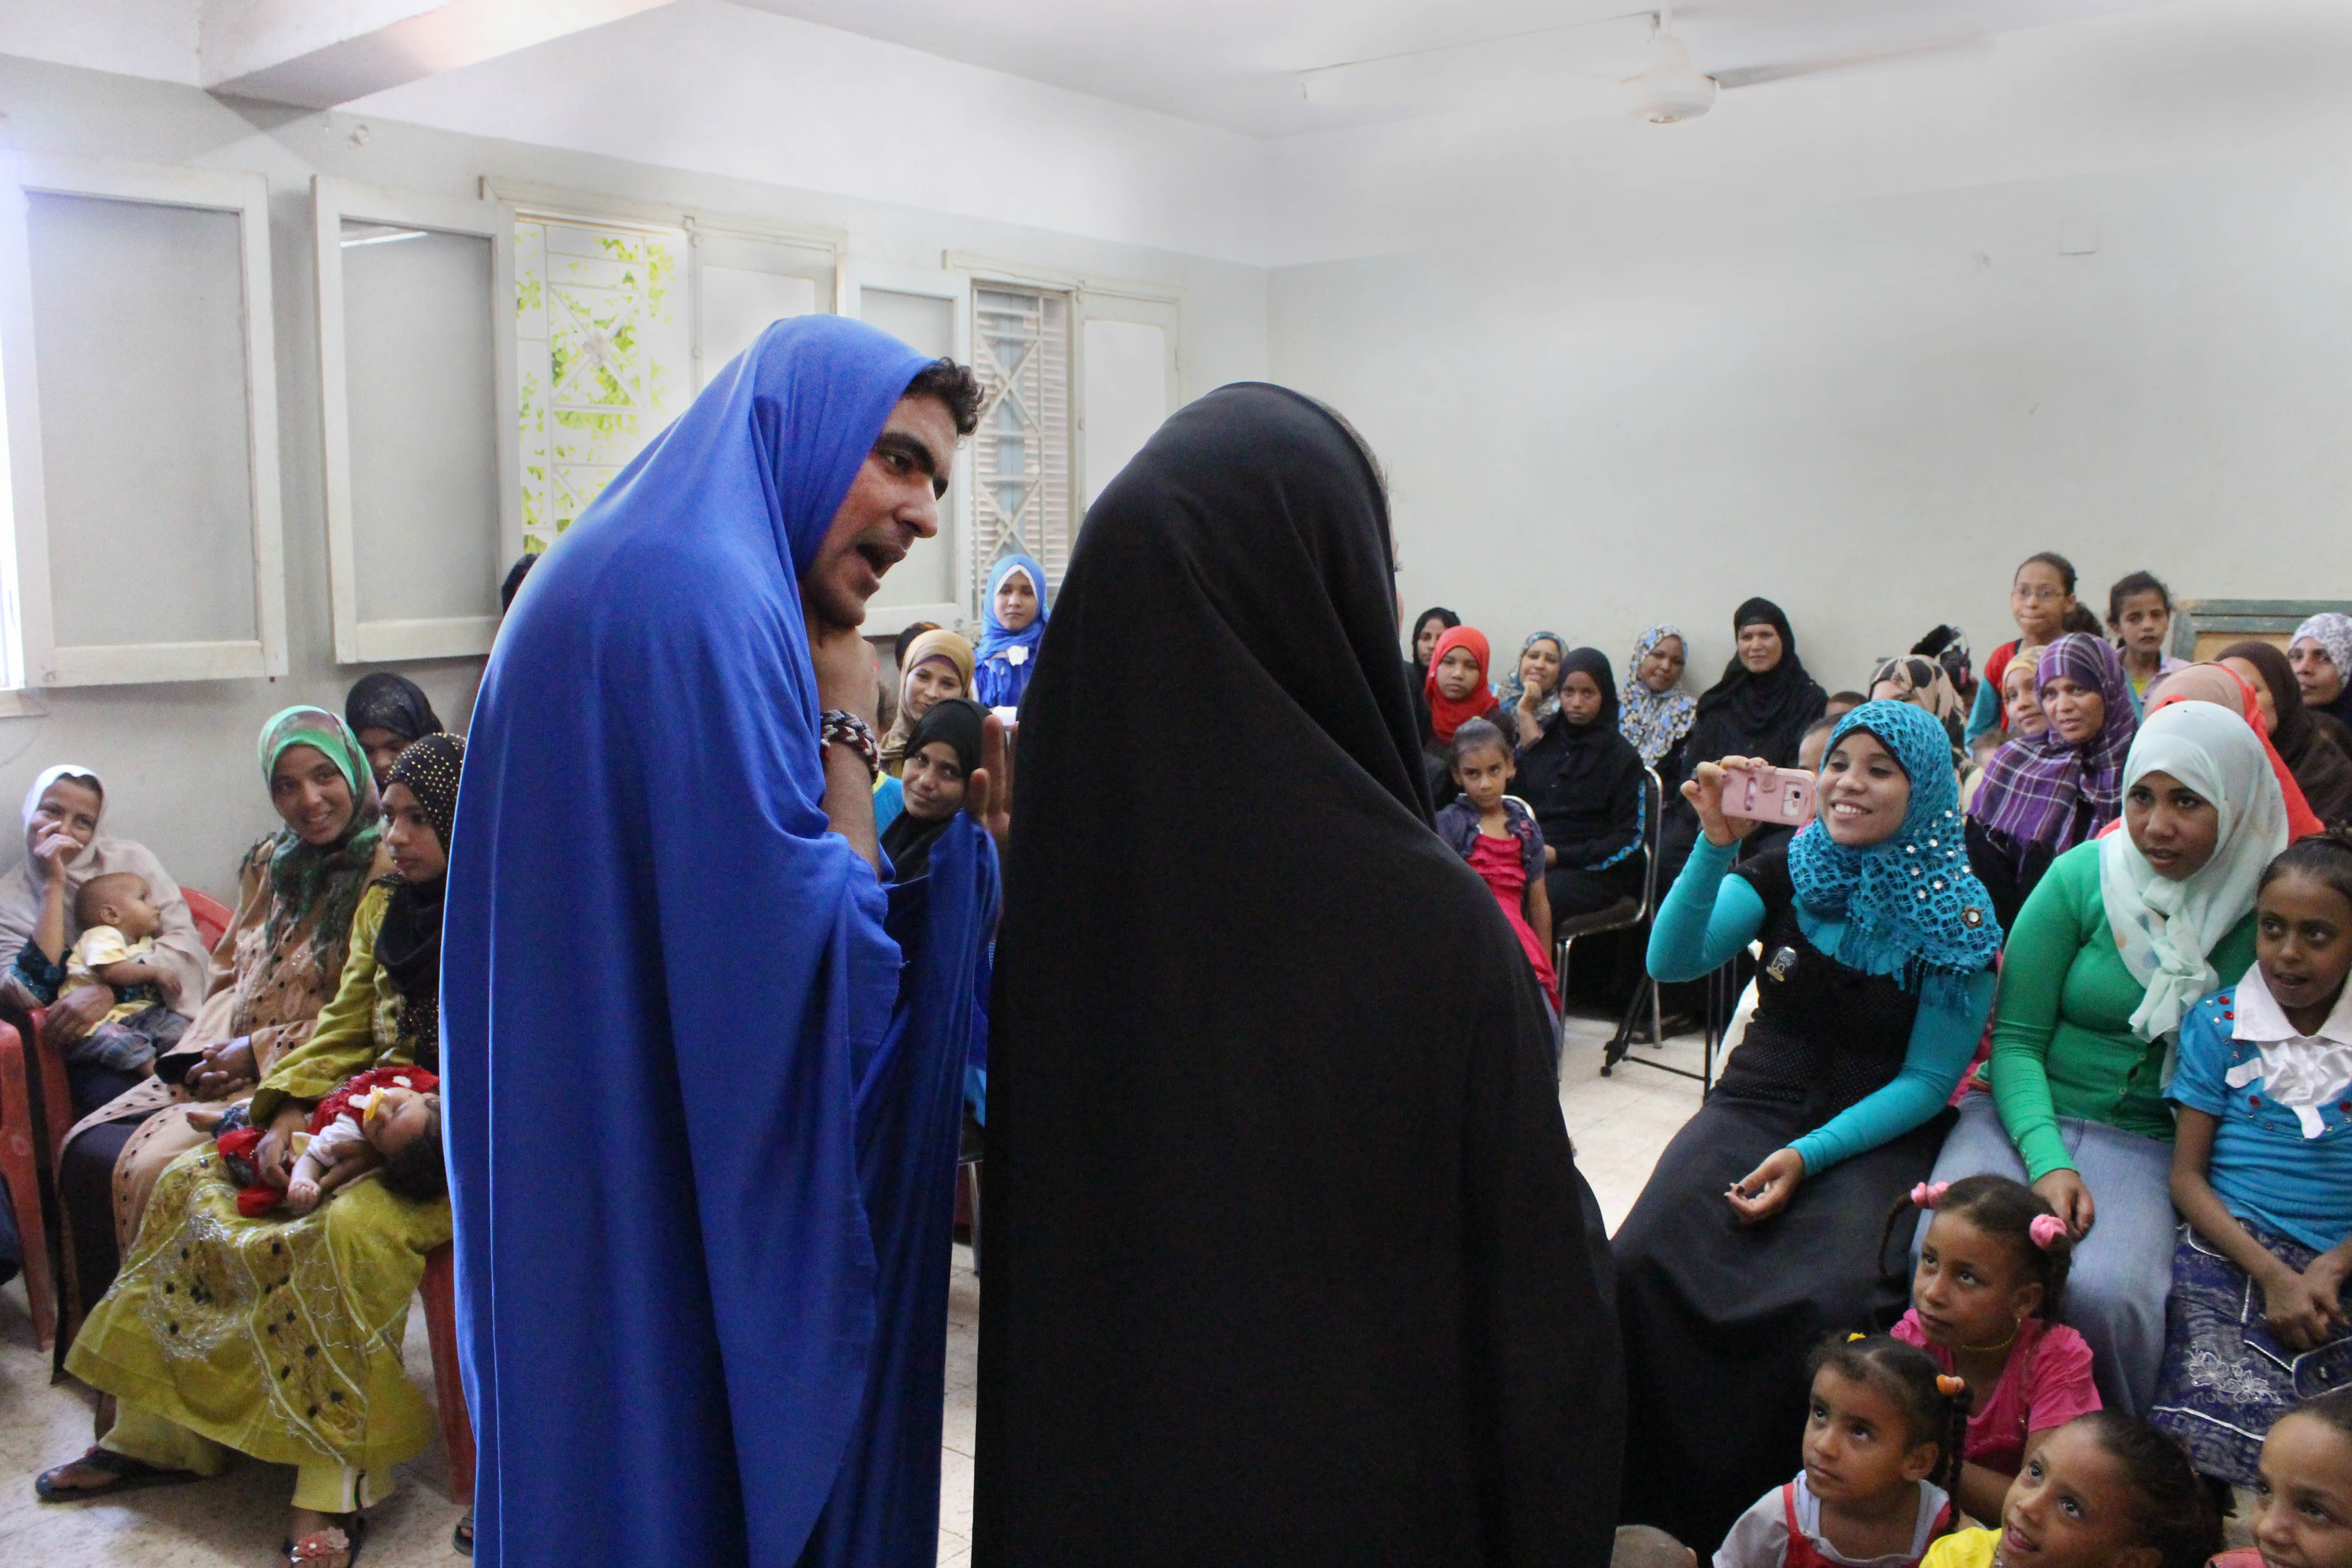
pixel 1417 670
pixel 1282 1215
pixel 2320 767
pixel 387 701
pixel 1583 780
pixel 958 721
pixel 408 946
pixel 1750 715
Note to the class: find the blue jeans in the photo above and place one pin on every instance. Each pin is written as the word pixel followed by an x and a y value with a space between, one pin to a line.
pixel 2122 1271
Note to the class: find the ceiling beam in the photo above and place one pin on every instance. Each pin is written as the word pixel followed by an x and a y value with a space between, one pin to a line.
pixel 322 53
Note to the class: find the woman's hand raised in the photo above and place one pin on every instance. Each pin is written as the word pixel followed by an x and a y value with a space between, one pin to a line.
pixel 988 793
pixel 1766 1189
pixel 1704 790
pixel 53 851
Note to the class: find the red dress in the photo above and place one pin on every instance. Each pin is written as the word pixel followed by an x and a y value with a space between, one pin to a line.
pixel 340 1102
pixel 1499 860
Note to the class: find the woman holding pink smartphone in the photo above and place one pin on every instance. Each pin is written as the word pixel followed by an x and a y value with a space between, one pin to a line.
pixel 1758 1232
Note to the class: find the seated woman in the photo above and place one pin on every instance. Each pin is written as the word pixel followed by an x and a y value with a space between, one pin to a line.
pixel 2044 794
pixel 64 851
pixel 1758 1232
pixel 388 713
pixel 2321 768
pixel 2224 686
pixel 1456 693
pixel 2321 652
pixel 1530 693
pixel 275 1336
pixel 279 962
pixel 1432 624
pixel 940 757
pixel 1583 780
pixel 2115 946
pixel 938 664
pixel 1658 713
pixel 1761 708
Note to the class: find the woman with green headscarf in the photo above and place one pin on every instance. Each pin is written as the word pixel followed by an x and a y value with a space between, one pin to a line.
pixel 276 967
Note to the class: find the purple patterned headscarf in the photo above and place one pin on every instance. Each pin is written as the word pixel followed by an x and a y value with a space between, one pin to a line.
pixel 2034 782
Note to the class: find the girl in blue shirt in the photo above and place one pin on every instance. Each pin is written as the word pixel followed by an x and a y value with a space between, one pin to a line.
pixel 2261 1168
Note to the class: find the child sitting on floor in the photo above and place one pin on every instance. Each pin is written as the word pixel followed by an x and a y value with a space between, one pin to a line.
pixel 387 1119
pixel 1498 836
pixel 1984 1305
pixel 1883 1429
pixel 2262 1168
pixel 2303 1503
pixel 119 926
pixel 2105 1490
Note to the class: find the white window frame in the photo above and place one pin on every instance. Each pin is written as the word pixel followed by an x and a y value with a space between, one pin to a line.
pixel 858 274
pixel 697 226
pixel 46 662
pixel 359 641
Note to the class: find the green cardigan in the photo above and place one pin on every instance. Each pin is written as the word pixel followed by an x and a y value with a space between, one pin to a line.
pixel 2064 1044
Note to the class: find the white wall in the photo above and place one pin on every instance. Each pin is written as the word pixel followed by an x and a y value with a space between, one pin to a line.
pixel 1823 346
pixel 179 757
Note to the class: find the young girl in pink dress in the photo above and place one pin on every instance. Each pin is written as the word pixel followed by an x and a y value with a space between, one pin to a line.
pixel 1498 836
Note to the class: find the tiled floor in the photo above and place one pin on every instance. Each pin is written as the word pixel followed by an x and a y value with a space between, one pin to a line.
pixel 1619 1123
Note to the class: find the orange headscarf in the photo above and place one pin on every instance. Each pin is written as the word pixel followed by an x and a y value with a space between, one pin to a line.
pixel 2226 688
pixel 1447 714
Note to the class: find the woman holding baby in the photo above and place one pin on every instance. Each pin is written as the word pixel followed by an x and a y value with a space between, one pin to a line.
pixel 243 1321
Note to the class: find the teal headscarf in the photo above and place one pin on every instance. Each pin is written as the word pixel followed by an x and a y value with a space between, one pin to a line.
pixel 1911 906
pixel 327 879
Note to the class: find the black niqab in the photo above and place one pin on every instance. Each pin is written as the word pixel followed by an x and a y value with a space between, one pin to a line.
pixel 1750 715
pixel 1287 1257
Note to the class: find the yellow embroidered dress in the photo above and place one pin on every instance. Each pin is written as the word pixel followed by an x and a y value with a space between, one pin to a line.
pixel 277 1336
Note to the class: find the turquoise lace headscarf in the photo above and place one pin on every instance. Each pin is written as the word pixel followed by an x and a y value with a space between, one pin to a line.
pixel 325 878
pixel 1912 908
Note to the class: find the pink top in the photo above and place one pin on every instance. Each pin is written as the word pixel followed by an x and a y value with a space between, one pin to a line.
pixel 1498 861
pixel 2045 1382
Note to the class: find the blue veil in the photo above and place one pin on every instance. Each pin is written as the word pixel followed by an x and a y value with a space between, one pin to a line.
pixel 1006 659
pixel 691 1137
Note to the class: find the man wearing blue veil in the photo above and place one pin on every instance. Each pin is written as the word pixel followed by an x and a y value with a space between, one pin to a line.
pixel 702 1067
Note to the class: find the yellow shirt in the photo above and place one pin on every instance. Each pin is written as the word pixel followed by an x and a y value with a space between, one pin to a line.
pixel 99 946
pixel 1963 1549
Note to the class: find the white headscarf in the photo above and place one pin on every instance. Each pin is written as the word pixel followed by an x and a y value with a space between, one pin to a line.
pixel 49 776
pixel 2165 928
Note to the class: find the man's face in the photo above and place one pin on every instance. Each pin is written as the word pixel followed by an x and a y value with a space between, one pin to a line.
pixel 894 501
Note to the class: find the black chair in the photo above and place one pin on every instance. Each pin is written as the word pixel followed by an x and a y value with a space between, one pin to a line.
pixel 1622 915
pixel 1646 996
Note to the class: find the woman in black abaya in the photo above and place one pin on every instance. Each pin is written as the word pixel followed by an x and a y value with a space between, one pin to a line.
pixel 1761 708
pixel 1288 1259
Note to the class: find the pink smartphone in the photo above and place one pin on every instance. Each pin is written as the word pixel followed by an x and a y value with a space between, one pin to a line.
pixel 1783 797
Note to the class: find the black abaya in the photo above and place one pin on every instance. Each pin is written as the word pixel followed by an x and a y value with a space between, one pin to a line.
pixel 1289 1260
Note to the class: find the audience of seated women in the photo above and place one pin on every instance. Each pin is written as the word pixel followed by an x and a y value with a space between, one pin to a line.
pixel 278 963
pixel 2316 757
pixel 280 1336
pixel 1759 1231
pixel 2044 794
pixel 1656 711
pixel 2119 940
pixel 2321 652
pixel 1583 780
pixel 2041 597
pixel 1758 709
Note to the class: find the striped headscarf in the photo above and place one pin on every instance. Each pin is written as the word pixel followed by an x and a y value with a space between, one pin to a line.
pixel 2034 783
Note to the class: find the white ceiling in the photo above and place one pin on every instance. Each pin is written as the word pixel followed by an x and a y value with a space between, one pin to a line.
pixel 1236 63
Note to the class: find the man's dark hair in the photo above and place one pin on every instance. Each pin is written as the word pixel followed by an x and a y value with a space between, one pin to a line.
pixel 953 384
pixel 513 584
